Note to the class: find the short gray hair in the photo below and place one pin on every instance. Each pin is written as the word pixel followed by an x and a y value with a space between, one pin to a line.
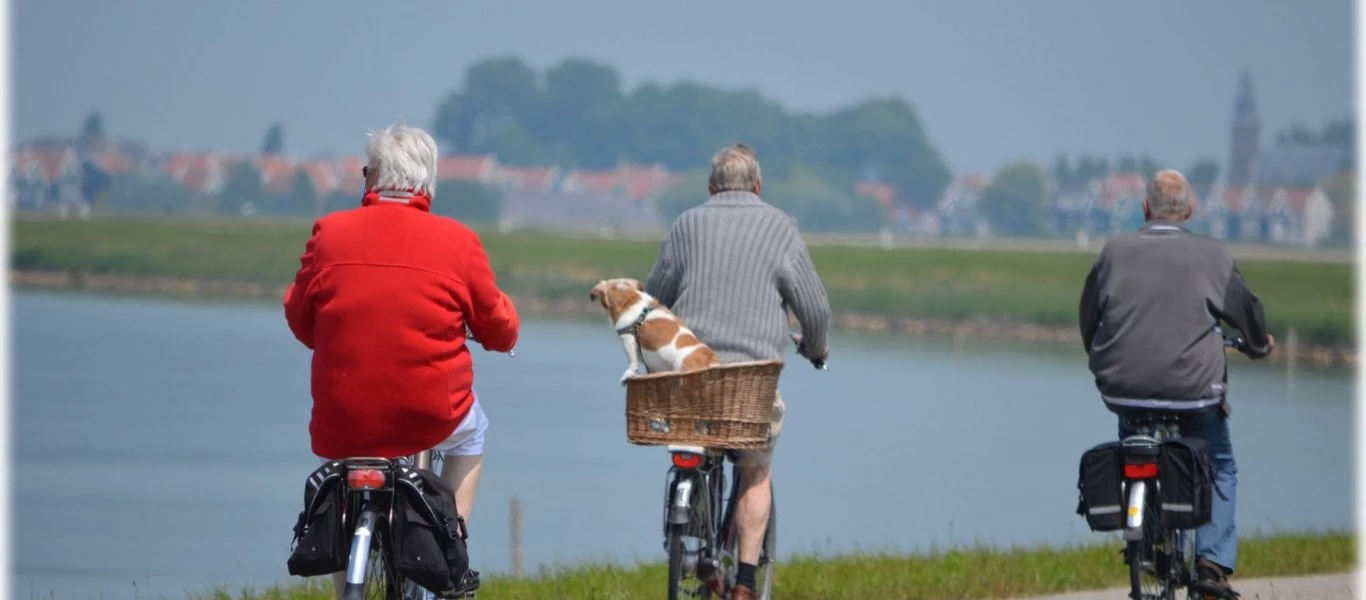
pixel 1168 194
pixel 734 169
pixel 403 158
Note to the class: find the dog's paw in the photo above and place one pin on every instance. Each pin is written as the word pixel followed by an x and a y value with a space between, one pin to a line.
pixel 627 375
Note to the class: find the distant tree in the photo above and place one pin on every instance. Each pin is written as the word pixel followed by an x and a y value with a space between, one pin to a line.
pixel 688 190
pixel 1016 201
pixel 274 142
pixel 1062 171
pixel 305 197
pixel 1202 173
pixel 134 193
pixel 243 185
pixel 1339 133
pixel 93 128
pixel 581 117
pixel 1147 167
pixel 468 201
pixel 1298 134
pixel 1126 164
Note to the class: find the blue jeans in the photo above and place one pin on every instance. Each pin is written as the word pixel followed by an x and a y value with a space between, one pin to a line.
pixel 1217 540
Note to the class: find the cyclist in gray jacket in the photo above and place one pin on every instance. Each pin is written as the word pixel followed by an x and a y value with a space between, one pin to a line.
pixel 1149 315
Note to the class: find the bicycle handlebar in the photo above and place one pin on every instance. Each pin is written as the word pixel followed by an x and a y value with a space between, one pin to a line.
pixel 818 363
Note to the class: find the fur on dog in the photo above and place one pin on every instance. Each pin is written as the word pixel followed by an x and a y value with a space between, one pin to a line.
pixel 649 330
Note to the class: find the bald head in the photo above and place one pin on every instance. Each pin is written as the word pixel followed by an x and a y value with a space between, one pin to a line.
pixel 1169 197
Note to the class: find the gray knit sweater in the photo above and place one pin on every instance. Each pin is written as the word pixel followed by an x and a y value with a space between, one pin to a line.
pixel 730 268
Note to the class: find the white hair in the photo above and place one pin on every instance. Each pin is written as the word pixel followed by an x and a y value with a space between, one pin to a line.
pixel 734 168
pixel 403 158
pixel 1168 194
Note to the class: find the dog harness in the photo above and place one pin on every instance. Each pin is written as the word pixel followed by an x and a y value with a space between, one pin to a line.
pixel 634 328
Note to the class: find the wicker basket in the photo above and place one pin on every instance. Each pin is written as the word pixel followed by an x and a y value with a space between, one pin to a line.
pixel 728 406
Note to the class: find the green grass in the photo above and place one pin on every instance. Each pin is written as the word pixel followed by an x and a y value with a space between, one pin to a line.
pixel 1315 298
pixel 957 574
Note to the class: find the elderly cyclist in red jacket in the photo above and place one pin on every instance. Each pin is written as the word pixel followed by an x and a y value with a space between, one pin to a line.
pixel 383 296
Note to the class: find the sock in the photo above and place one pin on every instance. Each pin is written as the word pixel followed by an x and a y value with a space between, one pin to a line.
pixel 745 576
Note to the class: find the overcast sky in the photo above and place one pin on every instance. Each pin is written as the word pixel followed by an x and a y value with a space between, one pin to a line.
pixel 993 80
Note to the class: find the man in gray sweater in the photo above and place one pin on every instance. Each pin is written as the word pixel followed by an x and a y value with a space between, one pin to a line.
pixel 731 268
pixel 1149 314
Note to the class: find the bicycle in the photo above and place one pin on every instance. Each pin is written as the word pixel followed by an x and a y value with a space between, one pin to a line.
pixel 713 560
pixel 1161 559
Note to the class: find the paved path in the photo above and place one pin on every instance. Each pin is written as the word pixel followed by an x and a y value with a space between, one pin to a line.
pixel 1339 586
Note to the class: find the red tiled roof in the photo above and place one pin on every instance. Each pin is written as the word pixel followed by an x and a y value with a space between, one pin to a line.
pixel 277 174
pixel 883 193
pixel 469 167
pixel 527 177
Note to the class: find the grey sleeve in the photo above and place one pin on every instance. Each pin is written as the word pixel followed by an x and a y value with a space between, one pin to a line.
pixel 1243 311
pixel 662 282
pixel 803 292
pixel 1089 309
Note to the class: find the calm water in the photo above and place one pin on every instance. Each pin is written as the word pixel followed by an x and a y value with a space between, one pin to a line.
pixel 161 447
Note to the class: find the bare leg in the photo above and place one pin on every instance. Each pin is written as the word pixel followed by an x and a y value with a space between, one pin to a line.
pixel 462 473
pixel 751 514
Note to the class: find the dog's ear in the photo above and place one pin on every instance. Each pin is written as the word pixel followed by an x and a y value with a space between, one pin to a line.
pixel 596 292
pixel 640 287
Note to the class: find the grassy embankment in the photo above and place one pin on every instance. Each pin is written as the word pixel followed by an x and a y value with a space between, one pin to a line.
pixel 956 574
pixel 912 289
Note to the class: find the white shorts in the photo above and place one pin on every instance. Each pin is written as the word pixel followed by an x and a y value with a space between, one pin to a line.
pixel 468 437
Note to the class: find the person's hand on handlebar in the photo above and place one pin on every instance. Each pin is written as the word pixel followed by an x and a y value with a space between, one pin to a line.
pixel 817 361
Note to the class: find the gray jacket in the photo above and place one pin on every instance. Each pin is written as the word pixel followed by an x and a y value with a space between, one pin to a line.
pixel 1148 315
pixel 731 268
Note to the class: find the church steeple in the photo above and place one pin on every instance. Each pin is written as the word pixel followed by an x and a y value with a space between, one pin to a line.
pixel 1246 134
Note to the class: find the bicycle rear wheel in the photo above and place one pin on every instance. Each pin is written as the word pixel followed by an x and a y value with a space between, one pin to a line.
pixel 370 552
pixel 1150 564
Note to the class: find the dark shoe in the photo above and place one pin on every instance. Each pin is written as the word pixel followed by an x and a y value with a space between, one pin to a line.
pixel 741 592
pixel 1211 581
pixel 468 585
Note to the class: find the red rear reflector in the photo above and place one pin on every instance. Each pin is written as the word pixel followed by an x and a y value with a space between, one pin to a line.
pixel 1147 471
pixel 365 479
pixel 687 460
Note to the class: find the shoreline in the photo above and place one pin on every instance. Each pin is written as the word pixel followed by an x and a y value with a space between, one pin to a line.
pixel 977 329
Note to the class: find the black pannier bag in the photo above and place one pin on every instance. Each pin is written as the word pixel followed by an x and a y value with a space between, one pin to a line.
pixel 1101 487
pixel 1185 476
pixel 320 546
pixel 429 535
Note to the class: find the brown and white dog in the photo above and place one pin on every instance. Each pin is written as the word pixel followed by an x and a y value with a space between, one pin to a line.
pixel 650 330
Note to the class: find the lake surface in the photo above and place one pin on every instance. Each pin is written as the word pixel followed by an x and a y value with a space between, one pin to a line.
pixel 161 447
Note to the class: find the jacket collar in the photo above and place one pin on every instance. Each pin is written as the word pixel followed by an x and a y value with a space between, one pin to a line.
pixel 1162 225
pixel 417 200
pixel 734 198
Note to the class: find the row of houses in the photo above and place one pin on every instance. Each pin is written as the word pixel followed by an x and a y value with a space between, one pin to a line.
pixel 66 176
pixel 1287 214
pixel 57 172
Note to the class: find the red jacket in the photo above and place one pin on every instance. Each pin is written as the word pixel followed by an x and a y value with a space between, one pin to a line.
pixel 382 297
